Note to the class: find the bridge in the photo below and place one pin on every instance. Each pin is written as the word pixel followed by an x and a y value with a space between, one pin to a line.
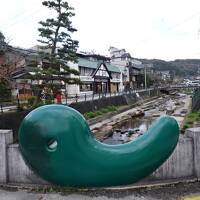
pixel 171 88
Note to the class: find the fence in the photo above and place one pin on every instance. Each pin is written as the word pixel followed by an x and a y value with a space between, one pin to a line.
pixel 196 100
pixel 71 99
pixel 5 95
pixel 93 96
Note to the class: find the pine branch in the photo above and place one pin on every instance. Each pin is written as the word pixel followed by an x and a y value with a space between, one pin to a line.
pixel 55 34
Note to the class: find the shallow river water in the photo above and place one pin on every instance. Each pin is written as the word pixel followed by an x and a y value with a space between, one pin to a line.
pixel 121 133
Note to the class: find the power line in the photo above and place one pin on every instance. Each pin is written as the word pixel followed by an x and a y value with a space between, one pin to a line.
pixel 169 29
pixel 24 19
pixel 19 14
pixel 199 29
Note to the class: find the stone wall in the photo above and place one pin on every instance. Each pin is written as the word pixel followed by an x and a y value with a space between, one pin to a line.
pixel 183 163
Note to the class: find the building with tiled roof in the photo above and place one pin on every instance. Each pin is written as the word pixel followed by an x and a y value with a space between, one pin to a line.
pixel 98 76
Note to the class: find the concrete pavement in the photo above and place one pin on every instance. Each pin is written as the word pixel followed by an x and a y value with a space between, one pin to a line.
pixel 186 190
pixel 25 195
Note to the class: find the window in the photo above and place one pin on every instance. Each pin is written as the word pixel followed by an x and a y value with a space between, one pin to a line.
pixel 85 71
pixel 115 75
pixel 86 87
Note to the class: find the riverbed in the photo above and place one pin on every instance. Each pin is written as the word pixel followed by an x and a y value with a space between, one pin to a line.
pixel 127 126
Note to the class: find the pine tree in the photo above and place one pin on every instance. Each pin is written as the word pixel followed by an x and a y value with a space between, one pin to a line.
pixel 58 47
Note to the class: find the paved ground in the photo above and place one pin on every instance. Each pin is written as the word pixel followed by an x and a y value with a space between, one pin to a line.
pixel 193 197
pixel 181 191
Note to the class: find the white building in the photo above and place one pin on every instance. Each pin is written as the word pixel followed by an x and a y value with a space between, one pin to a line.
pixel 129 67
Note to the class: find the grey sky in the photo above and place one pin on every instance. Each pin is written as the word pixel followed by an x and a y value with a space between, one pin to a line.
pixel 165 29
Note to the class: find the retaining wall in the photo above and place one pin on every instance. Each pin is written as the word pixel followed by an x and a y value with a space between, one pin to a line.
pixel 125 99
pixel 183 163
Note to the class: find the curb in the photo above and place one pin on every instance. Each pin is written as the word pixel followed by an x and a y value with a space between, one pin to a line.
pixel 57 189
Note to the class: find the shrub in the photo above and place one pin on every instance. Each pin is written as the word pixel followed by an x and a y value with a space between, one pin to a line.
pixel 89 115
pixel 189 121
pixel 31 100
pixel 38 104
pixel 191 118
pixel 98 113
pixel 186 126
pixel 104 110
pixel 48 101
pixel 111 108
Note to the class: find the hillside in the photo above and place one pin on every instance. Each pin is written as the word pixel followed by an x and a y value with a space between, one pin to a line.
pixel 181 67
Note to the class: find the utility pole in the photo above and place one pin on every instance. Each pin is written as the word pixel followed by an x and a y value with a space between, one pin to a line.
pixel 145 76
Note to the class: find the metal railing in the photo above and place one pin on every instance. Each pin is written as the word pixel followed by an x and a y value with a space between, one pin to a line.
pixel 70 99
pixel 74 98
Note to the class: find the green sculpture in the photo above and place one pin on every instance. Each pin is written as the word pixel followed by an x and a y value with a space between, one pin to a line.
pixel 58 145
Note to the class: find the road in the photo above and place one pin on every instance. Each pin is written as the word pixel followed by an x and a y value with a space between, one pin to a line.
pixel 8 108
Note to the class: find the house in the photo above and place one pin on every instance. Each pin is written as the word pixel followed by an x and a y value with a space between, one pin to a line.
pixel 21 75
pixel 96 73
pixel 98 76
pixel 10 60
pixel 132 70
pixel 165 75
pixel 12 65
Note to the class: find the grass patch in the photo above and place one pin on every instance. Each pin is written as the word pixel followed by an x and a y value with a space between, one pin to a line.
pixel 191 118
pixel 90 115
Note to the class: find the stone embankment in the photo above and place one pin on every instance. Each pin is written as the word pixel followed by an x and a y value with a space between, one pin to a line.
pixel 106 126
pixel 176 106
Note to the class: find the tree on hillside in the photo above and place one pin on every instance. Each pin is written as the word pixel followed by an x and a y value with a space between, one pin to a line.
pixel 58 46
pixel 2 43
pixel 2 38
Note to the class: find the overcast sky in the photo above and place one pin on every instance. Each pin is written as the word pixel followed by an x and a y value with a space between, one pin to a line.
pixel 164 29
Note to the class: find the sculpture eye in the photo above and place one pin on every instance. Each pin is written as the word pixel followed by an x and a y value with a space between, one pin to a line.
pixel 52 144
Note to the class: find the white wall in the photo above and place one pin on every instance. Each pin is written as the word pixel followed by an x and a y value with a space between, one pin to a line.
pixel 183 163
pixel 73 89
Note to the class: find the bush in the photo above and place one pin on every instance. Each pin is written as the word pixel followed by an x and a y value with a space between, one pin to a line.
pixel 98 113
pixel 39 104
pixel 189 121
pixel 112 108
pixel 32 100
pixel 191 118
pixel 186 126
pixel 48 101
pixel 104 110
pixel 89 115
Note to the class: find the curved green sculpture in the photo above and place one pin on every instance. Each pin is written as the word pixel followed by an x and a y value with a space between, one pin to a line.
pixel 57 143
